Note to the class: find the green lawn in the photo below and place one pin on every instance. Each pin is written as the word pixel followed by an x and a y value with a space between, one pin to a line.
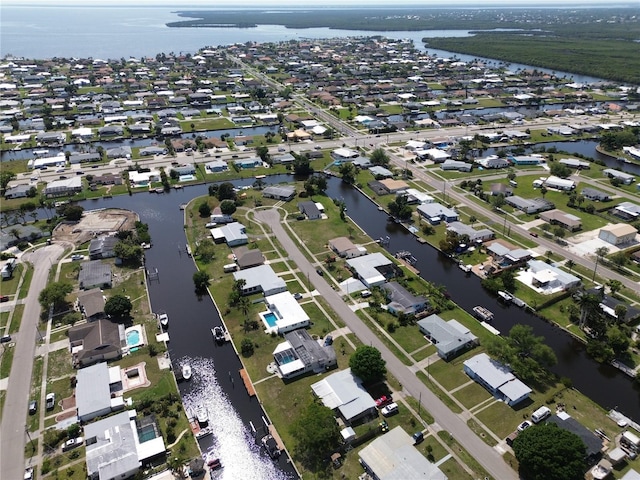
pixel 472 395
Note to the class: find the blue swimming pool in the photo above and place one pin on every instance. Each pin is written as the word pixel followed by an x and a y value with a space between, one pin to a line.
pixel 271 319
pixel 133 338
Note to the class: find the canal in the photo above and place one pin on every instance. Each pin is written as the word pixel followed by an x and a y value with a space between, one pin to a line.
pixel 216 368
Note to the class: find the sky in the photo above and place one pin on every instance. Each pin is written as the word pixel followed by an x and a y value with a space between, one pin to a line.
pixel 361 3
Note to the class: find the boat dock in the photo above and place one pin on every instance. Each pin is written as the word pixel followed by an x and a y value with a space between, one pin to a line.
pixel 408 260
pixel 247 383
pixel 197 430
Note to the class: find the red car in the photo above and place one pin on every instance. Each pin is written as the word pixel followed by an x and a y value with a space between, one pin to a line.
pixel 382 401
pixel 4 298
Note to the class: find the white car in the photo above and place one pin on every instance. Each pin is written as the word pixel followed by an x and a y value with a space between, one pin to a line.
pixel 77 256
pixel 524 425
pixel 72 443
pixel 50 401
pixel 389 410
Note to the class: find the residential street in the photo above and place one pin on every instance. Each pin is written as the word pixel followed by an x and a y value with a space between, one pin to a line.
pixel 12 430
pixel 489 458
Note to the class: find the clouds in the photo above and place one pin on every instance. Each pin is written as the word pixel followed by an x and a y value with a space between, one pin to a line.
pixel 324 3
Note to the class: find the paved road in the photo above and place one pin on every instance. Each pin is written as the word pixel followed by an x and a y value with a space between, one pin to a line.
pixel 12 430
pixel 489 458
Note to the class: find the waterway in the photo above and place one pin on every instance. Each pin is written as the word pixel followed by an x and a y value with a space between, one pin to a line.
pixel 193 317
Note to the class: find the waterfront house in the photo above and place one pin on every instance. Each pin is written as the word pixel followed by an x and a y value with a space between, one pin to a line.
pixel 91 304
pixel 94 388
pixel 248 257
pixel 261 278
pixel 547 279
pixel 280 192
pixel 98 341
pixel 233 234
pixel 435 213
pixel 63 187
pixel 403 301
pixel 284 313
pixel 310 210
pixel 300 354
pixel 103 247
pixel 474 235
pixel 449 338
pixel 372 269
pixel 345 248
pixel 95 274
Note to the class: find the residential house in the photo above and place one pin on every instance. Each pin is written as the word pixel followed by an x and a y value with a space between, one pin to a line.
pixel 500 189
pixel 474 235
pixel 248 257
pixel 508 256
pixel 549 279
pixel 526 159
pixel 456 165
pixel 343 393
pixel 280 192
pixel 624 177
pixel 63 187
pixel 95 274
pixel 372 269
pixel 627 211
pixel 565 220
pixel 103 247
pixel 284 313
pixel 497 378
pixel 403 301
pixel 118 446
pixel 492 162
pixel 435 213
pixel 107 179
pixel 344 154
pixel 310 210
pixel 98 341
pixel 449 338
pixel 393 456
pixel 415 196
pixel 380 172
pixel 618 234
pixel 595 195
pixel 76 158
pixel 593 443
pixel 393 186
pixel 529 206
pixel 345 248
pixel 96 389
pixel 91 304
pixel 300 354
pixel 558 183
pixel 248 163
pixel 575 163
pixel 216 166
pixel 234 234
pixel 17 191
pixel 218 217
pixel 260 279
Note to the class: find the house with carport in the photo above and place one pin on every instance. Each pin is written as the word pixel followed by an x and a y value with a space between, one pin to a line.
pixel 233 234
pixel 372 269
pixel 449 338
pixel 261 278
pixel 435 213
pixel 284 193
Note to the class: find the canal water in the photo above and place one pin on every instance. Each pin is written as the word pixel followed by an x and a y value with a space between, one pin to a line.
pixel 193 317
pixel 216 384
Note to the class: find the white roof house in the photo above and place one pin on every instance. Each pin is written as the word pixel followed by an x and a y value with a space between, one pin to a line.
pixel 547 279
pixel 115 448
pixel 142 179
pixel 93 393
pixel 496 378
pixel 618 234
pixel 344 154
pixel 65 186
pixel 422 197
pixel 448 337
pixel 367 268
pixel 393 456
pixel 260 279
pixel 233 234
pixel 289 315
pixel 343 391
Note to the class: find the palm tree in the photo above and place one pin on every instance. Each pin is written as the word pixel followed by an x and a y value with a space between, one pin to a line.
pixel 589 304
pixel 570 264
pixel 176 465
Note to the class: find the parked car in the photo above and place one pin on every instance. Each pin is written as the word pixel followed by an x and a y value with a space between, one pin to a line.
pixel 5 339
pixel 297 295
pixel 77 256
pixel 418 437
pixel 524 425
pixel 382 401
pixel 4 298
pixel 389 410
pixel 319 271
pixel 72 443
pixel 50 401
pixel 28 473
pixel 33 407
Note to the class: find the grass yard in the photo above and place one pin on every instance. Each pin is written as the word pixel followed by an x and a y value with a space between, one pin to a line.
pixel 448 375
pixel 472 395
pixel 59 364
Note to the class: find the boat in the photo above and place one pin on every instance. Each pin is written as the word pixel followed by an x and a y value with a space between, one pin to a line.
pixel 202 416
pixel 506 296
pixel 218 334
pixel 163 318
pixel 214 464
pixel 482 313
pixel 465 268
pixel 186 371
pixel 188 250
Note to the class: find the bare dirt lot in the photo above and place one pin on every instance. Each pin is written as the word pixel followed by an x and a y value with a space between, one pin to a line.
pixel 93 223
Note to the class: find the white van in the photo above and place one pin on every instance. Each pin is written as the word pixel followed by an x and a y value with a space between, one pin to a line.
pixel 230 267
pixel 513 183
pixel 365 293
pixel 540 414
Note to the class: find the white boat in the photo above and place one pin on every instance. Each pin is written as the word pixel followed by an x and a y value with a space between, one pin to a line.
pixel 483 314
pixel 506 296
pixel 186 371
pixel 218 334
pixel 164 319
pixel 202 416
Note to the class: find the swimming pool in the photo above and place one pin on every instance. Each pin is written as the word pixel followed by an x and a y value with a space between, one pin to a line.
pixel 187 178
pixel 133 338
pixel 270 319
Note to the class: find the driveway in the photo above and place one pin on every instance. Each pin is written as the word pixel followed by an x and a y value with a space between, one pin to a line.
pixel 12 430
pixel 489 458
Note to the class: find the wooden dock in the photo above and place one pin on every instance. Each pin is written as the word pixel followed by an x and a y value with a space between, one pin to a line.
pixel 247 383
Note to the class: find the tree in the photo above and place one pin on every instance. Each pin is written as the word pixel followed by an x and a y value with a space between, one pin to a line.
pixel 548 452
pixel 5 178
pixel 614 286
pixel 228 207
pixel 526 353
pixel 263 153
pixel 498 201
pixel 367 364
pixel 570 264
pixel 317 435
pixel 247 347
pixel 71 212
pixel 128 251
pixel 543 191
pixel 55 294
pixel 201 281
pixel 302 165
pixel 619 259
pixel 348 172
pixel 379 157
pixel 226 191
pixel 399 208
pixel 618 339
pixel 118 306
pixel 204 209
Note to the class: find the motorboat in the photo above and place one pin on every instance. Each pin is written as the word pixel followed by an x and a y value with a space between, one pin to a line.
pixel 506 296
pixel 218 334
pixel 163 318
pixel 202 416
pixel 483 314
pixel 186 371
pixel 214 463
